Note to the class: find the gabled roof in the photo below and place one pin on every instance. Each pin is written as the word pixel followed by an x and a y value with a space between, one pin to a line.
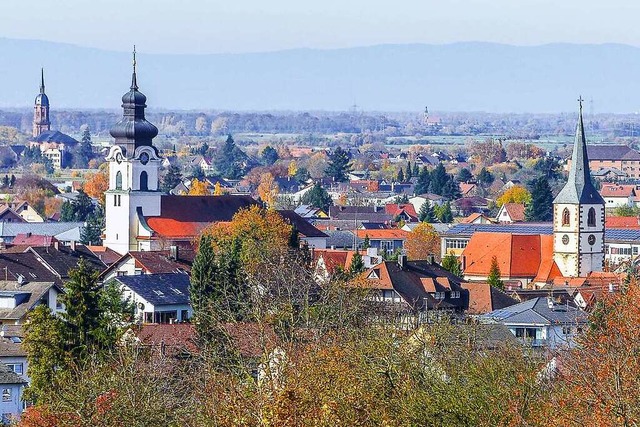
pixel 303 226
pixel 28 239
pixel 27 295
pixel 515 211
pixel 56 137
pixel 186 216
pixel 159 289
pixel 395 209
pixel 622 222
pixel 518 255
pixel 611 152
pixel 65 258
pixel 538 310
pixel 625 191
pixel 484 298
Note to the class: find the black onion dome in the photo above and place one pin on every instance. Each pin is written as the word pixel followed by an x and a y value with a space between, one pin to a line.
pixel 133 130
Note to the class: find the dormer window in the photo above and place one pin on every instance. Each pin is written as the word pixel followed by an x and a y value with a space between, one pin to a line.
pixel 566 220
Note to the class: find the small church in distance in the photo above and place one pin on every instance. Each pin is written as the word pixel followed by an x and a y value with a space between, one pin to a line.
pixel 572 253
pixel 139 216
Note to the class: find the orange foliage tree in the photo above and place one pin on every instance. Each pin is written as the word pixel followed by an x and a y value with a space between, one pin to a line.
pixel 96 184
pixel 422 242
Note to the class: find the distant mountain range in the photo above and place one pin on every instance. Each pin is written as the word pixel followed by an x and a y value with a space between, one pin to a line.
pixel 455 77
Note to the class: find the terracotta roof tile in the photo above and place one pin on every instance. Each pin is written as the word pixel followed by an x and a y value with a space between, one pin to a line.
pixel 515 211
pixel 392 233
pixel 622 222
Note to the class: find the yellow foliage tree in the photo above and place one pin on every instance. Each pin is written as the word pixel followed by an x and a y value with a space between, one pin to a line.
pixel 422 242
pixel 51 206
pixel 199 188
pixel 293 168
pixel 515 194
pixel 268 189
pixel 217 189
pixel 96 184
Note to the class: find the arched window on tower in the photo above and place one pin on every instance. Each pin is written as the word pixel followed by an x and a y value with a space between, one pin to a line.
pixel 591 217
pixel 119 180
pixel 566 220
pixel 144 181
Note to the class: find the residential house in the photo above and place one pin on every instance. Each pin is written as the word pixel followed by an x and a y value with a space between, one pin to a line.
pixel 465 206
pixel 401 212
pixel 484 298
pixel 9 215
pixel 158 298
pixel 307 233
pixel 62 231
pixel 477 218
pixel 433 199
pixel 415 287
pixel 609 174
pixel 19 297
pixel 511 212
pixel 385 241
pixel 174 260
pixel 25 210
pixel 309 212
pixel 468 189
pixel 542 322
pixel 12 386
pixel 618 195
pixel 12 354
pixel 329 261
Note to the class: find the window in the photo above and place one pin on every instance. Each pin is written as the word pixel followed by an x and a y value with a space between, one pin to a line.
pixel 386 245
pixel 116 200
pixel 591 218
pixel 16 367
pixel 455 294
pixel 144 181
pixel 439 295
pixel 565 217
pixel 6 395
pixel 566 330
pixel 119 180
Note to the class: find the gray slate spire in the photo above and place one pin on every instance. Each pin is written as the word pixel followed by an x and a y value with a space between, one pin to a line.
pixel 579 189
pixel 42 80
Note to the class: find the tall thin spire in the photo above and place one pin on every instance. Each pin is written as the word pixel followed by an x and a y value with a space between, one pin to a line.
pixel 134 80
pixel 41 80
pixel 579 188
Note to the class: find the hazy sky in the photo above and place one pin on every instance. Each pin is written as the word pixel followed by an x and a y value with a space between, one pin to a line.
pixel 199 26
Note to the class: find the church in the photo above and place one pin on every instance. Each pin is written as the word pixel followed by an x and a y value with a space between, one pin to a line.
pixel 139 216
pixel 52 143
pixel 571 252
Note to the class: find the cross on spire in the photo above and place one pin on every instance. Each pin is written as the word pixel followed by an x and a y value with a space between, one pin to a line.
pixel 134 58
pixel 134 79
pixel 580 101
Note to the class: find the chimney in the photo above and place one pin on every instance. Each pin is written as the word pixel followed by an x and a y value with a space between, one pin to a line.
pixel 402 261
pixel 73 245
pixel 431 259
pixel 173 252
pixel 56 245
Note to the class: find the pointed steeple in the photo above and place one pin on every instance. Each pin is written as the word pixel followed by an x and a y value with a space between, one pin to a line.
pixel 42 80
pixel 134 79
pixel 133 130
pixel 579 188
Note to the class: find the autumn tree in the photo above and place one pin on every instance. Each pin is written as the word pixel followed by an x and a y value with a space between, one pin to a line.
pixel 494 274
pixel 268 189
pixel 199 188
pixel 422 242
pixel 515 194
pixel 96 184
pixel 488 152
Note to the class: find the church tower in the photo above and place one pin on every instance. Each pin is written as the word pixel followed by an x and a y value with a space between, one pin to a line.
pixel 134 166
pixel 578 216
pixel 41 121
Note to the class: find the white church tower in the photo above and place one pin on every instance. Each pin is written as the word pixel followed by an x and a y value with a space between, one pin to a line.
pixel 134 166
pixel 579 216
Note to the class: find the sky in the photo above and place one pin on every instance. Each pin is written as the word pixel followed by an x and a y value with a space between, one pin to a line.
pixel 213 26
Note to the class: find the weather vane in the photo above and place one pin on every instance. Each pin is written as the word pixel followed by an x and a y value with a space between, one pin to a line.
pixel 134 58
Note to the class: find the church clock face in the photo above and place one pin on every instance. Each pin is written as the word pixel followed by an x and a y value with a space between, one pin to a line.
pixel 565 239
pixel 591 239
pixel 144 158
